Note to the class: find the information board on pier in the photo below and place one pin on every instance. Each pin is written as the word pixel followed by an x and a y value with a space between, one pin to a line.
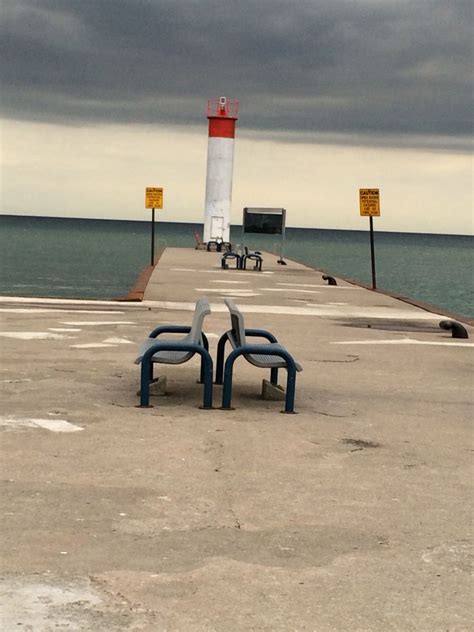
pixel 369 202
pixel 153 197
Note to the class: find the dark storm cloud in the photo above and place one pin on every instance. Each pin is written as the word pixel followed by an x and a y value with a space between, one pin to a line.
pixel 365 67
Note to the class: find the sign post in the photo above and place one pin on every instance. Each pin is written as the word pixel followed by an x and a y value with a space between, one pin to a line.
pixel 153 199
pixel 369 205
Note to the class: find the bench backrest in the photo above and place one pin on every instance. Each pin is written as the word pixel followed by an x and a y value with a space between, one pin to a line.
pixel 201 310
pixel 238 325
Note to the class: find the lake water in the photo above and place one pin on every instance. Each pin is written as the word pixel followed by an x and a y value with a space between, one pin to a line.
pixel 81 258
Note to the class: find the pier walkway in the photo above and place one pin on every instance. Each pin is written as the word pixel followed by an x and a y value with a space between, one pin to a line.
pixel 353 514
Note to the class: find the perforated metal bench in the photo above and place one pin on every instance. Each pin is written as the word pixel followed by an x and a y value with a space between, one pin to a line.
pixel 255 256
pixel 177 351
pixel 229 256
pixel 217 245
pixel 269 355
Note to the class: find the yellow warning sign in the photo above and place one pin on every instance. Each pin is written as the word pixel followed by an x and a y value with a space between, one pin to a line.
pixel 153 197
pixel 369 202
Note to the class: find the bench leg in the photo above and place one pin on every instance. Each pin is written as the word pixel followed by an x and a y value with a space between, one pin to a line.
pixel 145 373
pixel 290 382
pixel 205 344
pixel 227 391
pixel 274 376
pixel 202 373
pixel 220 358
pixel 290 390
pixel 206 374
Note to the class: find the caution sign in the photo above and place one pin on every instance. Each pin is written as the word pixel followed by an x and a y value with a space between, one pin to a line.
pixel 153 197
pixel 369 202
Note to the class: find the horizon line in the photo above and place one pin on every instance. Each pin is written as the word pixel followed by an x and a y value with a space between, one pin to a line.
pixel 146 221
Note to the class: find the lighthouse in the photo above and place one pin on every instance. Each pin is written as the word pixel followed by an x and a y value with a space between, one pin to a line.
pixel 222 114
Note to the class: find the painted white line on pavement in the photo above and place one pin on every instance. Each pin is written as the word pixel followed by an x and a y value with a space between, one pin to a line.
pixel 227 291
pixel 288 289
pixel 44 310
pixel 31 335
pixel 234 290
pixel 65 329
pixel 235 271
pixel 93 323
pixel 91 345
pixel 54 425
pixel 328 311
pixel 404 341
pixel 183 269
pixel 222 281
pixel 332 287
pixel 118 341
pixel 66 301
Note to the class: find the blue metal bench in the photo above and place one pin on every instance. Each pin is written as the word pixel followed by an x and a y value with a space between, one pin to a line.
pixel 254 255
pixel 229 256
pixel 177 351
pixel 269 355
pixel 216 245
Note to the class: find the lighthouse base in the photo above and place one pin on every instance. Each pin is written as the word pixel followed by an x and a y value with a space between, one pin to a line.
pixel 216 229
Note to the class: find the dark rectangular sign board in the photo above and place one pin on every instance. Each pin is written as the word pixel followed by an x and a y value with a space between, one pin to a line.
pixel 268 221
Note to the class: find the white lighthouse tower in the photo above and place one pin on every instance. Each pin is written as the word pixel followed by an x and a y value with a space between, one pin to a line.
pixel 222 114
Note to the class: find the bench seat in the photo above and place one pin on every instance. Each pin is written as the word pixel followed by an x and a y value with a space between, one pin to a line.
pixel 177 351
pixel 263 360
pixel 270 355
pixel 165 357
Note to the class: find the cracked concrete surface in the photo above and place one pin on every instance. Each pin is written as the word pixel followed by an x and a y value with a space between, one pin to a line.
pixel 354 514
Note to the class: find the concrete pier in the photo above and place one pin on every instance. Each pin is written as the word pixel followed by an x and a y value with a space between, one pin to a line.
pixel 354 514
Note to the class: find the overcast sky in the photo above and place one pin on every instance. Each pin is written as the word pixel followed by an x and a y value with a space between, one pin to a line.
pixel 387 79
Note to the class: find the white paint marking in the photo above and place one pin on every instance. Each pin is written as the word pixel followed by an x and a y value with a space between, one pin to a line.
pixel 231 292
pixel 233 271
pixel 66 301
pixel 183 269
pixel 41 310
pixel 404 341
pixel 95 311
pixel 93 323
pixel 288 289
pixel 15 381
pixel 54 425
pixel 234 290
pixel 332 287
pixel 63 329
pixel 118 341
pixel 31 335
pixel 91 345
pixel 328 311
pixel 222 281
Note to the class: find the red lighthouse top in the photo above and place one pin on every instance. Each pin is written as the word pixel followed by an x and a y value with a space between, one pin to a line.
pixel 222 114
pixel 223 107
